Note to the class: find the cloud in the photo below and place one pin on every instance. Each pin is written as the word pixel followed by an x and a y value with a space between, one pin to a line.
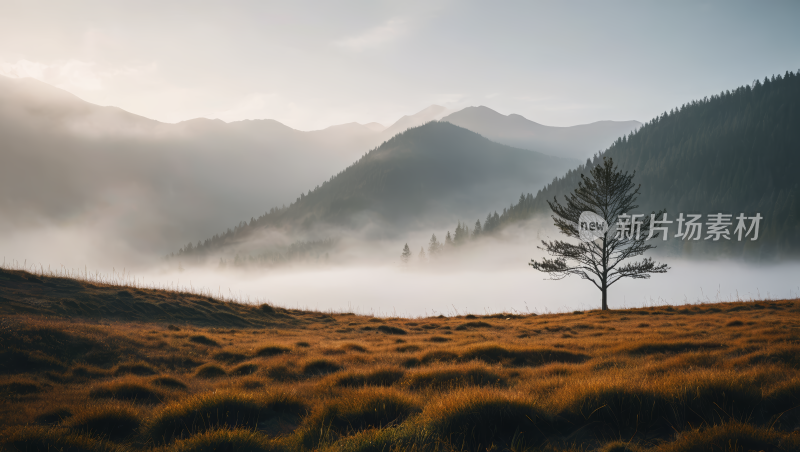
pixel 375 37
pixel 73 74
pixel 63 74
pixel 23 68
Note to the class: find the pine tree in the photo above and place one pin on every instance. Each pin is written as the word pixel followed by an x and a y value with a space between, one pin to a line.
pixel 492 223
pixel 422 256
pixel 461 235
pixel 434 246
pixel 477 230
pixel 406 254
pixel 448 240
pixel 609 193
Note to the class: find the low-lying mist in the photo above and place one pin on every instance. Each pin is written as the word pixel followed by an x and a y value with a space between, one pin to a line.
pixel 488 275
pixel 491 278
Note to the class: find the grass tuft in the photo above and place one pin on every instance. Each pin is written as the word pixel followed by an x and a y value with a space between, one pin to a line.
pixel 493 354
pixel 230 410
pixel 203 340
pixel 90 372
pixel 732 436
pixel 127 389
pixel 365 409
pixel 408 348
pixel 672 347
pixel 54 416
pixel 271 350
pixel 251 384
pixel 438 356
pixel 114 421
pixel 169 382
pixel 19 387
pixel 472 325
pixel 476 419
pixel 320 367
pixel 391 330
pixel 136 368
pixel 450 377
pixel 282 373
pixel 229 357
pixel 244 369
pixel 226 440
pixel 47 439
pixel 210 371
pixel 350 347
pixel 378 377
pixel 14 360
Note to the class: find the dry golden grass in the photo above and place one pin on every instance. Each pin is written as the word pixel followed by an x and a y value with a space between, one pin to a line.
pixel 713 377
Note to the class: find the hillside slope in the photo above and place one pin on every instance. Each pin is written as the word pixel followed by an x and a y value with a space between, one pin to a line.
pixel 51 296
pixel 426 175
pixel 736 152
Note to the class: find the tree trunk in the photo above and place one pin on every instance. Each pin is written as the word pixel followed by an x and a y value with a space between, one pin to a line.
pixel 604 277
pixel 605 298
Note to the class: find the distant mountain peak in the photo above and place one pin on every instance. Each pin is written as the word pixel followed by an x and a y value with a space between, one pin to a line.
pixel 433 112
pixel 576 142
pixel 375 127
pixel 427 114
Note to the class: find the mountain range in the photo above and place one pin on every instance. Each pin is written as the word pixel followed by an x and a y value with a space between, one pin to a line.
pixel 67 161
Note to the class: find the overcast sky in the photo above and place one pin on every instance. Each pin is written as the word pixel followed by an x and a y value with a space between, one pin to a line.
pixel 314 64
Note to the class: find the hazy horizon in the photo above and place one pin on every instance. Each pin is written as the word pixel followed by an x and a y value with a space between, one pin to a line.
pixel 313 67
pixel 119 188
pixel 490 277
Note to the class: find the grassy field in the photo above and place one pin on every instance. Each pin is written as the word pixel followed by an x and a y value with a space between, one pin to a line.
pixel 90 366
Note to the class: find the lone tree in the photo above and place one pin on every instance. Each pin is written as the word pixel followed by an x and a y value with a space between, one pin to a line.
pixel 610 194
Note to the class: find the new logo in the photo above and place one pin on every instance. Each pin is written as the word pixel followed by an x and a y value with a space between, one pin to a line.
pixel 591 226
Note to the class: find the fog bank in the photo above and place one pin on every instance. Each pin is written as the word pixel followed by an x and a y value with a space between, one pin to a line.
pixel 482 277
pixel 397 290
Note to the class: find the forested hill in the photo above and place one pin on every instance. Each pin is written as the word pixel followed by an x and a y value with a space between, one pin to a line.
pixel 435 172
pixel 735 152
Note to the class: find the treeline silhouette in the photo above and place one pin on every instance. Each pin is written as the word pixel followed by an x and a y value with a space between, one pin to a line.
pixel 735 152
pixel 303 251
